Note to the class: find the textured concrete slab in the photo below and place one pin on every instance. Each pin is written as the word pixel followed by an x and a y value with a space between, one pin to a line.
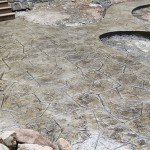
pixel 64 82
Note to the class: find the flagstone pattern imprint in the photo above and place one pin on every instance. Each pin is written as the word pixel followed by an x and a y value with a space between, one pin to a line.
pixel 64 82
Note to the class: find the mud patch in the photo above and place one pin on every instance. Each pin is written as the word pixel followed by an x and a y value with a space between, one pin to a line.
pixel 136 43
pixel 142 12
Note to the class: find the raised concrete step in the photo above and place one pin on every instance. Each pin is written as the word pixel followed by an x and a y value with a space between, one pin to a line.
pixel 7 16
pixel 3 4
pixel 5 10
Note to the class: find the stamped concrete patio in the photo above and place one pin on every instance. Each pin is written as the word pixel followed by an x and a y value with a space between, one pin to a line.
pixel 64 82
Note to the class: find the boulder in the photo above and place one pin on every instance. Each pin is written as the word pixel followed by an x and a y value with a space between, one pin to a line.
pixel 25 5
pixel 16 0
pixel 31 5
pixel 9 139
pixel 104 3
pixel 32 137
pixel 63 144
pixel 33 147
pixel 3 147
pixel 16 6
pixel 1 141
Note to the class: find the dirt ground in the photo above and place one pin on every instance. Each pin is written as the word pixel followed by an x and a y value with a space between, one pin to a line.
pixel 58 78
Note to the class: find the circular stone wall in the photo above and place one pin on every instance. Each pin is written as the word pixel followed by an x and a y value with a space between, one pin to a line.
pixel 142 12
pixel 136 43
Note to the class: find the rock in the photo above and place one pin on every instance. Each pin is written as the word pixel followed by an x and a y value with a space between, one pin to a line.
pixel 9 139
pixel 31 1
pixel 22 1
pixel 16 6
pixel 44 0
pixel 3 147
pixel 25 5
pixel 1 141
pixel 63 144
pixel 33 147
pixel 10 1
pixel 104 3
pixel 32 137
pixel 16 0
pixel 31 5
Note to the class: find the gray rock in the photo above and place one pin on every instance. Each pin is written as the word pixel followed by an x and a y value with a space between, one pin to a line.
pixel 16 0
pixel 44 0
pixel 3 147
pixel 63 144
pixel 31 5
pixel 25 5
pixel 16 6
pixel 31 1
pixel 9 138
pixel 104 3
pixel 32 137
pixel 22 1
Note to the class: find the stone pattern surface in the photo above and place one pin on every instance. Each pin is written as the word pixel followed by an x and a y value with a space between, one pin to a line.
pixel 62 81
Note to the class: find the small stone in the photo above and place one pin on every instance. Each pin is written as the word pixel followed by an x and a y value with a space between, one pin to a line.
pixel 33 147
pixel 63 144
pixel 3 147
pixel 9 138
pixel 32 137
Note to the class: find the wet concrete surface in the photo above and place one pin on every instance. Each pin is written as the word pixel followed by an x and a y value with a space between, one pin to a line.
pixel 64 82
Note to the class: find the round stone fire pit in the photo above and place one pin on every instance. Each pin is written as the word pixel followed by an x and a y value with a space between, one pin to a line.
pixel 137 43
pixel 142 12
